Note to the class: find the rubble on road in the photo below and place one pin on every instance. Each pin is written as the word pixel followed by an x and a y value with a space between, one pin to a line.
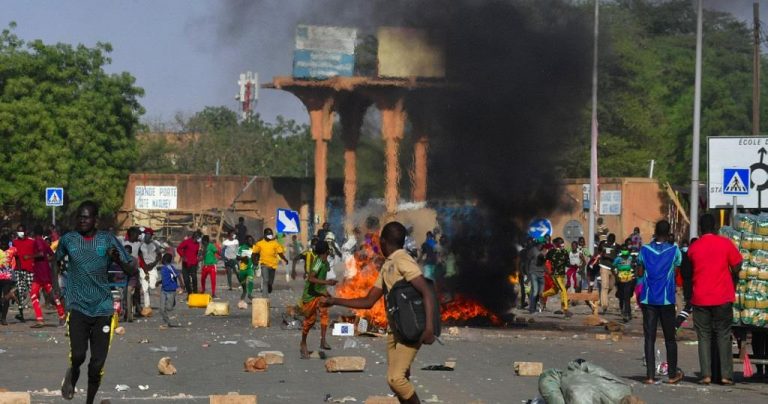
pixel 345 364
pixel 272 357
pixel 165 367
pixel 528 368
pixel 257 364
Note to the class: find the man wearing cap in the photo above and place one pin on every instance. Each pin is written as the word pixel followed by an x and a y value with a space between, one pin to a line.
pixel 270 252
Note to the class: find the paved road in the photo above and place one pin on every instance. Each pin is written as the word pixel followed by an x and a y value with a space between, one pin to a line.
pixel 35 360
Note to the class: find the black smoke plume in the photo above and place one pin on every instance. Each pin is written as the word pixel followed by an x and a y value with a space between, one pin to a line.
pixel 521 71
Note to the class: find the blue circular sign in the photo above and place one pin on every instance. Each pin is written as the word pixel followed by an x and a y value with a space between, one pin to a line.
pixel 539 228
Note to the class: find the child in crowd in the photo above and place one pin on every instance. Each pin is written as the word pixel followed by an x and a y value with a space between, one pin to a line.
pixel 314 289
pixel 575 261
pixel 172 284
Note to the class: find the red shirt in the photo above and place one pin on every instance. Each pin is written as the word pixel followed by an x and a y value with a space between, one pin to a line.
pixel 188 250
pixel 42 268
pixel 712 258
pixel 25 246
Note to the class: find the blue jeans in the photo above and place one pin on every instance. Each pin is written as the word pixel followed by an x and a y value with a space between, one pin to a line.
pixel 537 286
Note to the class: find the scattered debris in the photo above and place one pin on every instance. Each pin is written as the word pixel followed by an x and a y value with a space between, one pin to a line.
pixel 594 321
pixel 272 357
pixel 122 387
pixel 146 312
pixel 3 351
pixel 433 399
pixel 257 364
pixel 317 355
pixel 260 312
pixel 254 343
pixel 143 387
pixel 438 367
pixel 616 336
pixel 166 367
pixel 453 331
pixel 632 399
pixel 164 348
pixel 451 362
pixel 233 399
pixel 614 327
pixel 205 345
pixel 330 399
pixel 381 400
pixel 228 342
pixel 345 364
pixel 602 337
pixel 528 368
pixel 144 341
pixel 217 309
pixel 350 343
pixel 343 329
pixel 242 305
pixel 120 330
pixel 582 381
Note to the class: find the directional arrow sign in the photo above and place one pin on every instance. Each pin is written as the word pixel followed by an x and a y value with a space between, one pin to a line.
pixel 287 221
pixel 540 228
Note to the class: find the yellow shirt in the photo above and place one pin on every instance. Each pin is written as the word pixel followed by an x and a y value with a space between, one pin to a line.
pixel 268 251
pixel 399 265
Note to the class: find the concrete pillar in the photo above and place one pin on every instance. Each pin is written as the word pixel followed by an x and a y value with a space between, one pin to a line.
pixel 393 116
pixel 351 109
pixel 421 111
pixel 419 173
pixel 319 104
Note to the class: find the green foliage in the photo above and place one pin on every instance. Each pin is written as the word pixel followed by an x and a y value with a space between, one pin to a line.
pixel 251 147
pixel 63 122
pixel 646 78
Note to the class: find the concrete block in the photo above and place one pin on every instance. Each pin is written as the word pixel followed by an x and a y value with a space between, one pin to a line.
pixel 257 364
pixel 260 313
pixel 12 397
pixel 529 368
pixel 345 364
pixel 217 309
pixel 616 336
pixel 233 399
pixel 272 357
pixel 165 367
pixel 381 400
pixel 602 337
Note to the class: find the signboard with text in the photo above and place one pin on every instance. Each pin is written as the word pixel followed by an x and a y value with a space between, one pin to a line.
pixel 155 197
pixel 324 52
pixel 737 166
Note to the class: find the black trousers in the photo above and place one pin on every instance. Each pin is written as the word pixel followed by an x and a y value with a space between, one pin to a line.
pixel 84 331
pixel 652 315
pixel 189 272
pixel 5 287
pixel 625 292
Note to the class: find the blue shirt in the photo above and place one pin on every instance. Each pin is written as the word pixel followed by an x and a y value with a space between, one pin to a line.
pixel 659 261
pixel 88 288
pixel 170 278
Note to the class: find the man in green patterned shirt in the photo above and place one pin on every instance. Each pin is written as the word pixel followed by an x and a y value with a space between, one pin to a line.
pixel 90 318
pixel 558 259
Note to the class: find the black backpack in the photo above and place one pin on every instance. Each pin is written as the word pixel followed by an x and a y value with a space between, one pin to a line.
pixel 406 312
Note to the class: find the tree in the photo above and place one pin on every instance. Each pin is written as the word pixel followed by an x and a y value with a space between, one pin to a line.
pixel 646 88
pixel 64 122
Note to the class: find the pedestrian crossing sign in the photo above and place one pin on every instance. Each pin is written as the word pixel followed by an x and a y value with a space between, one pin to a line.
pixel 736 181
pixel 54 197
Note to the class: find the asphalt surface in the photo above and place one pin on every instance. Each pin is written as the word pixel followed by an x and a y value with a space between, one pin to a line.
pixel 210 351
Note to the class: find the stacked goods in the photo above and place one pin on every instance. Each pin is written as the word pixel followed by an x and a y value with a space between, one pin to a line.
pixel 750 235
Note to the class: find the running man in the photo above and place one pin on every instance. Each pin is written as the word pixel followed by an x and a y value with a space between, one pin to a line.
pixel 270 252
pixel 315 288
pixel 91 318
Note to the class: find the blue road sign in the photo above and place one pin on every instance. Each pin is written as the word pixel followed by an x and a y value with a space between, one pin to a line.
pixel 54 197
pixel 287 221
pixel 540 228
pixel 736 181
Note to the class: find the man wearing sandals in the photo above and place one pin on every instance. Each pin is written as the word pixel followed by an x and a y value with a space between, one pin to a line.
pixel 714 259
pixel 656 266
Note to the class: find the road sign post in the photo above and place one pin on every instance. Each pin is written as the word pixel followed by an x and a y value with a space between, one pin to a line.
pixel 54 197
pixel 287 221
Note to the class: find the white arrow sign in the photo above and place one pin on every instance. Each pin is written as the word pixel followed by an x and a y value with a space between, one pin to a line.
pixel 289 224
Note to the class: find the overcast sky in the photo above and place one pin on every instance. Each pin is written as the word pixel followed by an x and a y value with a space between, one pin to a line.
pixel 187 54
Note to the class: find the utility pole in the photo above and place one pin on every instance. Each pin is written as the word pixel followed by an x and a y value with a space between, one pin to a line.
pixel 756 71
pixel 593 194
pixel 693 231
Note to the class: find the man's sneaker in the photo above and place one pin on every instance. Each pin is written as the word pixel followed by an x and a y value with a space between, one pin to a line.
pixel 20 318
pixel 67 389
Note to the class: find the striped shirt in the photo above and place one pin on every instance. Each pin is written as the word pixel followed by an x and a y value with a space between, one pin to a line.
pixel 87 283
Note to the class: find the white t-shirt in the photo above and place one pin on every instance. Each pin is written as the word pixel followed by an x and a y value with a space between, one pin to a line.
pixel 230 248
pixel 150 252
pixel 574 258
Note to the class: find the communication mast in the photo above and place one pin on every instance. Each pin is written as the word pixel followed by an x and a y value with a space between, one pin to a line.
pixel 249 93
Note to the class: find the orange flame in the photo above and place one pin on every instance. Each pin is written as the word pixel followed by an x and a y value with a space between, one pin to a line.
pixel 463 309
pixel 366 269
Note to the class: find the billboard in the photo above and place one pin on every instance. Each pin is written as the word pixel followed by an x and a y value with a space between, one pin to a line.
pixel 737 168
pixel 410 52
pixel 323 52
pixel 151 197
